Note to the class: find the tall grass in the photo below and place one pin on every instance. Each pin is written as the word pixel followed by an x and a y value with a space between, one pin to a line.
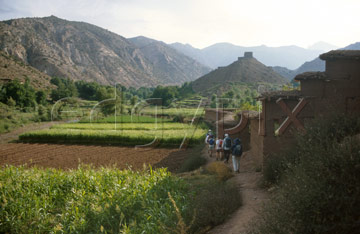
pixel 89 201
pixel 108 200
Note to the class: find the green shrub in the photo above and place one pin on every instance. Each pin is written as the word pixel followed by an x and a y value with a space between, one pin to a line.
pixel 318 185
pixel 320 135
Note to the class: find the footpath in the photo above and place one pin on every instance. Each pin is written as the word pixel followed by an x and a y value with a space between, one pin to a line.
pixel 14 134
pixel 253 197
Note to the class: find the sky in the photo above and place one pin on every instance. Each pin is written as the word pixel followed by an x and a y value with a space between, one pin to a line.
pixel 202 23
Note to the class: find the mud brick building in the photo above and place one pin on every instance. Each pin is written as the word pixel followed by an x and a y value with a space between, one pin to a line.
pixel 337 90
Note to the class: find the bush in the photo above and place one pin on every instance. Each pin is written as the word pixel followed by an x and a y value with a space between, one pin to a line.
pixel 320 135
pixel 319 186
pixel 220 170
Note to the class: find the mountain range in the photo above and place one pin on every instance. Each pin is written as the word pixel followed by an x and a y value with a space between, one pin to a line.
pixel 50 46
pixel 222 54
pixel 314 65
pixel 82 51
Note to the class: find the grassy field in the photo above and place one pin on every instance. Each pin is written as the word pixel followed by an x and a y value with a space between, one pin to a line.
pixel 124 126
pixel 125 119
pixel 126 134
pixel 171 112
pixel 89 201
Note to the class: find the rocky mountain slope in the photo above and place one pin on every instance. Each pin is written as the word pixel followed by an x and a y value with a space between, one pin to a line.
pixel 246 70
pixel 168 63
pixel 11 69
pixel 82 51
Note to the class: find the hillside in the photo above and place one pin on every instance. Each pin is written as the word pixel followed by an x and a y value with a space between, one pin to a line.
pixel 82 51
pixel 246 70
pixel 168 63
pixel 222 54
pixel 11 68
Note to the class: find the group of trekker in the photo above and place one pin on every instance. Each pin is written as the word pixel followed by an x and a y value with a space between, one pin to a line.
pixel 223 148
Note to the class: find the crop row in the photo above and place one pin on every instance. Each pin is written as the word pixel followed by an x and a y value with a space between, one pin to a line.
pixel 165 138
pixel 125 119
pixel 124 126
pixel 186 112
pixel 89 201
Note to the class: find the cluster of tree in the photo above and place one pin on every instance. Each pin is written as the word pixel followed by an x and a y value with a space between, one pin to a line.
pixel 21 94
pixel 170 93
pixel 243 98
pixel 96 92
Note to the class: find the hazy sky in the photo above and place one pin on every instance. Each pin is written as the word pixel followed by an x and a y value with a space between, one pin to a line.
pixel 205 22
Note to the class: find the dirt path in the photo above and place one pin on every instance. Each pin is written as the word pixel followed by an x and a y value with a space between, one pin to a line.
pixel 253 198
pixel 13 135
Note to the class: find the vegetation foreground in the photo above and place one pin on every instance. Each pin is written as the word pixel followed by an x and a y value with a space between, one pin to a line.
pixel 108 200
pixel 317 181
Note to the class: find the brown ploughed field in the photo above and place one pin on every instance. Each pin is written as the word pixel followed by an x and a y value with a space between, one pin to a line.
pixel 70 156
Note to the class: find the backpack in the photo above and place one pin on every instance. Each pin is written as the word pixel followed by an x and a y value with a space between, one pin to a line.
pixel 237 150
pixel 211 141
pixel 227 142
pixel 220 143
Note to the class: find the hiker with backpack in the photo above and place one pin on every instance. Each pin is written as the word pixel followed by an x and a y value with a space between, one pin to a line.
pixel 237 151
pixel 227 147
pixel 218 147
pixel 208 134
pixel 211 142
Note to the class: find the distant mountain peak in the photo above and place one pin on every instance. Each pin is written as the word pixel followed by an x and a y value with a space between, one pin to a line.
pixel 322 46
pixel 222 54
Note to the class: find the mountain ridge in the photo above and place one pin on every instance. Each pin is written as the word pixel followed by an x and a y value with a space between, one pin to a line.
pixel 314 65
pixel 83 51
pixel 222 54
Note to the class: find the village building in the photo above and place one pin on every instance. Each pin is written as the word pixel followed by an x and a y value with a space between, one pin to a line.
pixel 285 113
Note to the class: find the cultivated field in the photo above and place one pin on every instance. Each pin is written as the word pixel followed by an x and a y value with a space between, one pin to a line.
pixel 124 134
pixel 71 156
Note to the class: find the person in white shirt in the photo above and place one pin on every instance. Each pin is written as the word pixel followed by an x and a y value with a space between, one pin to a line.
pixel 218 148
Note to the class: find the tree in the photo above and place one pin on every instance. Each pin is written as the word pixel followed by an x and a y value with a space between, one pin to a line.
pixel 22 94
pixel 133 100
pixel 41 97
pixel 65 88
pixel 167 94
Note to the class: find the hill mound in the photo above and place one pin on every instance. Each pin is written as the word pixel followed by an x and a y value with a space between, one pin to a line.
pixel 245 71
